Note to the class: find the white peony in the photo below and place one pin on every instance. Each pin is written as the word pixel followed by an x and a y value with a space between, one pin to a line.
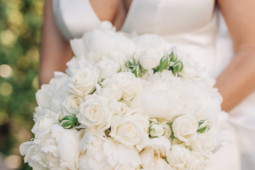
pixel 185 128
pixel 159 163
pixel 44 119
pixel 54 148
pixel 52 95
pixel 104 42
pixel 149 41
pixel 128 130
pixel 160 145
pixel 178 156
pixel 96 112
pixel 102 153
pixel 84 80
pixel 76 64
pixel 150 49
pixel 204 144
pixel 152 162
pixel 197 162
pixel 158 103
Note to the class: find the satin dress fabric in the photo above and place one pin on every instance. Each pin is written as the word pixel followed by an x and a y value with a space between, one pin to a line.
pixel 197 28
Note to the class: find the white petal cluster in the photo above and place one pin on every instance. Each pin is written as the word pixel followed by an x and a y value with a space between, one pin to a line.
pixel 125 103
pixel 102 153
pixel 54 148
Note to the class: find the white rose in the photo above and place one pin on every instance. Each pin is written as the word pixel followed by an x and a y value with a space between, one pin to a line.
pixel 167 130
pixel 142 119
pixel 185 128
pixel 84 80
pixel 54 148
pixel 131 86
pixel 161 145
pixel 127 130
pixel 43 119
pixel 161 164
pixel 197 162
pixel 111 87
pixel 103 153
pixel 72 104
pixel 96 112
pixel 124 109
pixel 156 130
pixel 152 42
pixel 178 156
pixel 108 67
pixel 150 58
pixel 147 156
pixel 204 144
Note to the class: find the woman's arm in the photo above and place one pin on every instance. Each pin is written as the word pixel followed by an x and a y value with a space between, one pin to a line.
pixel 55 50
pixel 237 81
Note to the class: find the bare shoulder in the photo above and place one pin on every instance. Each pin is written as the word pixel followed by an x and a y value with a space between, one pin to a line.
pixel 106 9
pixel 240 17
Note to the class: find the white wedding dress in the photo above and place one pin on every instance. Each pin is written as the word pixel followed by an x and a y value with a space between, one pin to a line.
pixel 193 26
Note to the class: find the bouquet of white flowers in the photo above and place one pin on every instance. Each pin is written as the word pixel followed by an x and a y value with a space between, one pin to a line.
pixel 125 102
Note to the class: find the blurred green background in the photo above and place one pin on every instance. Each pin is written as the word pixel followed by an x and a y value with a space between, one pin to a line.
pixel 20 27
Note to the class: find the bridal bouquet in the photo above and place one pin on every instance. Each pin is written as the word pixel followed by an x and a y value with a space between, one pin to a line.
pixel 125 102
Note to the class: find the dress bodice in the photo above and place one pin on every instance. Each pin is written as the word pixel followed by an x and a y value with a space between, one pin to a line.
pixel 162 17
pixel 190 25
pixel 167 17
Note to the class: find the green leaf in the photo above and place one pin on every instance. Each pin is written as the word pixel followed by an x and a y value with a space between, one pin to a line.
pixel 201 122
pixel 202 130
pixel 171 128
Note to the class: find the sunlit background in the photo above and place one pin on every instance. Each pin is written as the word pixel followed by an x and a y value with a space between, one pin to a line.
pixel 20 23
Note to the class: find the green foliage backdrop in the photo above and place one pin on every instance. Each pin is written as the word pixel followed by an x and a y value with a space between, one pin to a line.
pixel 20 25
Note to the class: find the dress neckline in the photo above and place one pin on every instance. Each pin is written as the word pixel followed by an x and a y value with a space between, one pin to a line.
pixel 125 20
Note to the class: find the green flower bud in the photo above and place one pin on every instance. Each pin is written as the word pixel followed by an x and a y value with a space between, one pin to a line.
pixel 164 64
pixel 135 67
pixel 69 122
pixel 173 57
pixel 177 67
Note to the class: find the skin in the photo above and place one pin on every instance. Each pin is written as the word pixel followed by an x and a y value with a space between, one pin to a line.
pixel 235 83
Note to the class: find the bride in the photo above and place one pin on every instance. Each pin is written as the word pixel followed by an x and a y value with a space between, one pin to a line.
pixel 190 25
